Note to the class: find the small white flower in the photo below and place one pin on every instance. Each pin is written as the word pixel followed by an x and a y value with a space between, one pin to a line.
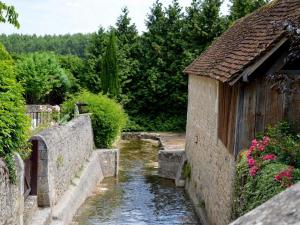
pixel 56 108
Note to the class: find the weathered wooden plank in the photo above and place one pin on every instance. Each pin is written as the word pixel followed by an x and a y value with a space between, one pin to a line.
pixel 227 115
pixel 239 120
pixel 274 106
pixel 292 112
pixel 249 115
pixel 260 105
pixel 232 118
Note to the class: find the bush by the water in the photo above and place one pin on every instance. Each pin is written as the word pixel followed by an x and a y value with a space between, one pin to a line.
pixel 108 117
pixel 14 124
pixel 271 165
pixel 161 122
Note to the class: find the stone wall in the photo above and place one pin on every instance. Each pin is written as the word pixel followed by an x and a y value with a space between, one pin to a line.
pixel 11 196
pixel 284 208
pixel 169 162
pixel 62 152
pixel 211 183
pixel 102 163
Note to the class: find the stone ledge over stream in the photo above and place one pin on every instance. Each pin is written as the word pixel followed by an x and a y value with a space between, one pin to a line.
pixel 171 155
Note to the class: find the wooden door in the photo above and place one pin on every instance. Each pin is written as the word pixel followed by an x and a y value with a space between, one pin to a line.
pixel 31 169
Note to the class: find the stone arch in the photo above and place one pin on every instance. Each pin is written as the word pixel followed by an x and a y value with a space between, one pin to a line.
pixel 43 184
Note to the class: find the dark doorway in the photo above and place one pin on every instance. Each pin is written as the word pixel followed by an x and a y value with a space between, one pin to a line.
pixel 31 169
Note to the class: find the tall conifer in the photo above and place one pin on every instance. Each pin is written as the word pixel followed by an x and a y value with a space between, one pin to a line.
pixel 110 76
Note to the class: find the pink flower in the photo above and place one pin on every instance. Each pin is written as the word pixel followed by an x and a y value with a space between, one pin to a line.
pixel 286 174
pixel 254 142
pixel 277 178
pixel 253 171
pixel 266 140
pixel 261 148
pixel 248 154
pixel 251 161
pixel 269 157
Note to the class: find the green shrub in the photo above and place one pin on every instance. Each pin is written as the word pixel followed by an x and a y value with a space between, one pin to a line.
pixel 161 123
pixel 14 124
pixel 285 143
pixel 108 117
pixel 269 166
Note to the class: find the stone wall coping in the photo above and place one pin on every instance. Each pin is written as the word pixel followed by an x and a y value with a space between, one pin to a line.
pixel 284 208
pixel 47 134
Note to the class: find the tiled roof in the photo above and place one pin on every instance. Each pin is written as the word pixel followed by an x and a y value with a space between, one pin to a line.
pixel 246 41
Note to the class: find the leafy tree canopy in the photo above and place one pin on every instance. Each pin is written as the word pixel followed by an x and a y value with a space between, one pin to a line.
pixel 240 8
pixel 42 78
pixel 8 14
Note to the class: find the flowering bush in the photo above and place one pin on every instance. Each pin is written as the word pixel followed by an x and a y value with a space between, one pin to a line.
pixel 270 165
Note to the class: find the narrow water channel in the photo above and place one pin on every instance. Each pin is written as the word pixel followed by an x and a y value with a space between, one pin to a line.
pixel 138 196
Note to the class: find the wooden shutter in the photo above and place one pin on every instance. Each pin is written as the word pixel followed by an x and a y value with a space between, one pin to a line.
pixel 228 96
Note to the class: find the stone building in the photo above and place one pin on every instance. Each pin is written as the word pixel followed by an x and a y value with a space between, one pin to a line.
pixel 231 99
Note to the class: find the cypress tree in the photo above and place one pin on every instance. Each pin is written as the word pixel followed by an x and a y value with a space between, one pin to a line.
pixel 110 76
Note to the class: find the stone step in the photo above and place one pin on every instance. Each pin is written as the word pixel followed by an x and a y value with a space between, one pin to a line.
pixel 42 216
pixel 30 207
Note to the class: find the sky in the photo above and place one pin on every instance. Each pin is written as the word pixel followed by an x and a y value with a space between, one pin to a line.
pixel 78 16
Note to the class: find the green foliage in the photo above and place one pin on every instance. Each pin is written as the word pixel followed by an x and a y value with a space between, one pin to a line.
pixel 8 14
pixel 241 8
pixel 203 24
pixel 160 87
pixel 128 55
pixel 14 124
pixel 149 81
pixel 285 143
pixel 95 52
pixel 43 79
pixel 108 117
pixel 252 191
pixel 159 122
pixel 110 75
pixel 76 68
pixel 67 44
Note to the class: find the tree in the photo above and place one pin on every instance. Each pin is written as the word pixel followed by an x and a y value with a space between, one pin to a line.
pixel 128 56
pixel 8 14
pixel 160 89
pixel 43 78
pixel 110 75
pixel 74 44
pixel 240 8
pixel 94 62
pixel 203 24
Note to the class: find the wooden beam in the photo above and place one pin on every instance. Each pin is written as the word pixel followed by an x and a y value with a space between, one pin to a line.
pixel 251 69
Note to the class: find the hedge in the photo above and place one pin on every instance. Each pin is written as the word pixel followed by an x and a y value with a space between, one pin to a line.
pixel 108 117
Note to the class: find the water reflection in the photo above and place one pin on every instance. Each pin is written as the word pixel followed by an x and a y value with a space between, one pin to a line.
pixel 137 196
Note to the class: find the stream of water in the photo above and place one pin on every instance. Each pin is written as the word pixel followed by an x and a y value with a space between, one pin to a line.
pixel 137 196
